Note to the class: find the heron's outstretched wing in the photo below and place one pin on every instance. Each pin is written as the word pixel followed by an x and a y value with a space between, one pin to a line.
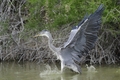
pixel 74 31
pixel 84 38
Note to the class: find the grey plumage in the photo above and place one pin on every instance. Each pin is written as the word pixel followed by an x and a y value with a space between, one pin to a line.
pixel 81 40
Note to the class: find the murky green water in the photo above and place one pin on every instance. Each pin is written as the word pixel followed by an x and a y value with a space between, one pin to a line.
pixel 34 71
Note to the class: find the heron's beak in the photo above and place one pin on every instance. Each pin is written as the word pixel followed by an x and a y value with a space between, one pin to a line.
pixel 37 35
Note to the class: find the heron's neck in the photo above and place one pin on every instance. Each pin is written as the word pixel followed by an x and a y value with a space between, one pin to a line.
pixel 50 43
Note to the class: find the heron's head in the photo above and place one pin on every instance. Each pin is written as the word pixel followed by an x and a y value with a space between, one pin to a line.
pixel 43 33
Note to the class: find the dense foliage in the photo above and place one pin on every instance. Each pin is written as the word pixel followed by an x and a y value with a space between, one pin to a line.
pixel 55 13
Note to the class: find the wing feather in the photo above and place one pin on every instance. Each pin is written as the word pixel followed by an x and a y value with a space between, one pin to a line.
pixel 84 38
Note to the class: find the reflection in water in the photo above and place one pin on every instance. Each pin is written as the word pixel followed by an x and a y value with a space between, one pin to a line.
pixel 49 71
pixel 118 71
pixel 33 71
pixel 91 75
pixel 55 74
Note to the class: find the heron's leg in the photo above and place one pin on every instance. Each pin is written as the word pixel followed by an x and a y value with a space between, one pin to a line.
pixel 62 67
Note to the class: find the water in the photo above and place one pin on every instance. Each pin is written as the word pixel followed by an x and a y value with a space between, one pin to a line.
pixel 34 71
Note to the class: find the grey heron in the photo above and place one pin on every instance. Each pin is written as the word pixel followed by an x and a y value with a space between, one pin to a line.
pixel 81 40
